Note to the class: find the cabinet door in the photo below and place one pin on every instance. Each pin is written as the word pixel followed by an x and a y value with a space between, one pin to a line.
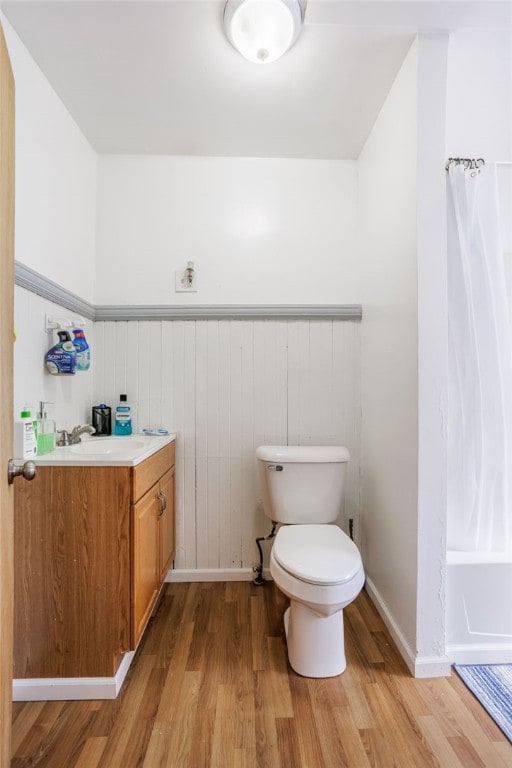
pixel 167 538
pixel 145 559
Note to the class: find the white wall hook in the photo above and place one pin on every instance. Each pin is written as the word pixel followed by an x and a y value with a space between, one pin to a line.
pixel 67 323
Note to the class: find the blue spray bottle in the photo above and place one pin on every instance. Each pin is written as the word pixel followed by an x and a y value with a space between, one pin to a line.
pixel 61 359
pixel 83 352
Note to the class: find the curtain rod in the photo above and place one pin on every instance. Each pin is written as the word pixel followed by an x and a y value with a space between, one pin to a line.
pixel 467 162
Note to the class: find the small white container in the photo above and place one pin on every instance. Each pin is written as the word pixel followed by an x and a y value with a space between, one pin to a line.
pixel 25 442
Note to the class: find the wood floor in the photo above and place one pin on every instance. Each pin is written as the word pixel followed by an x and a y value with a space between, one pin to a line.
pixel 211 687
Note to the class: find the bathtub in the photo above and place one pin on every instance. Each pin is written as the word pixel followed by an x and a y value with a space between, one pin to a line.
pixel 479 607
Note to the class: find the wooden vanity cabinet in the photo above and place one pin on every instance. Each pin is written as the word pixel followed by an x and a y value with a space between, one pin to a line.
pixel 145 560
pixel 92 547
pixel 153 547
pixel 166 523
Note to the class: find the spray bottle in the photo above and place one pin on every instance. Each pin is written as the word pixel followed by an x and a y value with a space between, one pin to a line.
pixel 61 358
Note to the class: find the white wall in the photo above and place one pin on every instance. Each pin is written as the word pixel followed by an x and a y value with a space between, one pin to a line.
pixel 403 359
pixel 479 103
pixel 55 181
pixel 227 387
pixel 70 396
pixel 259 231
pixel 55 210
pixel 389 357
pixel 432 356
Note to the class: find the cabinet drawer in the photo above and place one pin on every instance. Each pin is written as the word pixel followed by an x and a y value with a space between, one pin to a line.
pixel 151 470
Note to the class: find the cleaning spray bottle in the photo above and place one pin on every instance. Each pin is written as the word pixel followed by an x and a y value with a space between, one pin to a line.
pixel 61 358
pixel 83 352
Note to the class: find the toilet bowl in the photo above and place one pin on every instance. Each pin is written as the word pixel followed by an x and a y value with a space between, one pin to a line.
pixel 320 569
pixel 312 561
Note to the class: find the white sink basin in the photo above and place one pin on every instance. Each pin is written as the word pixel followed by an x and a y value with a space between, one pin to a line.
pixel 112 451
pixel 106 445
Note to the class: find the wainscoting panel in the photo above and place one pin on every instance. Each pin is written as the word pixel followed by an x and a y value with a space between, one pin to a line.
pixel 227 386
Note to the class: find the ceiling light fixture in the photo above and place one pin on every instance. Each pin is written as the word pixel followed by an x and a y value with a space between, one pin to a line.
pixel 262 30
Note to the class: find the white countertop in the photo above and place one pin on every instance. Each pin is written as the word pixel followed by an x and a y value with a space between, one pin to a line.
pixel 128 452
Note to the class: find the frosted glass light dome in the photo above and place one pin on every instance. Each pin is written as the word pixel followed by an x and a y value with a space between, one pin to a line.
pixel 262 30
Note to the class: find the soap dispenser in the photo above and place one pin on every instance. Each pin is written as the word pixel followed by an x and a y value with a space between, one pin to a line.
pixel 45 431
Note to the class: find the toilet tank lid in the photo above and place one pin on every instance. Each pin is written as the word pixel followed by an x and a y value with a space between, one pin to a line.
pixel 315 454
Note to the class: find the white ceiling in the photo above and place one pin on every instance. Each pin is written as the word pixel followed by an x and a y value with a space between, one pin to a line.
pixel 161 78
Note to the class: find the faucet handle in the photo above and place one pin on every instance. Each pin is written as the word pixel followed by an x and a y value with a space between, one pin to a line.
pixel 80 430
pixel 63 438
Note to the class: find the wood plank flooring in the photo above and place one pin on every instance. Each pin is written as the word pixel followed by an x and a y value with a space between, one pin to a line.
pixel 211 687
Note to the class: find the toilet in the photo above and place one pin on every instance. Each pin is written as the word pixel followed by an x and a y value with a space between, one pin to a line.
pixel 312 561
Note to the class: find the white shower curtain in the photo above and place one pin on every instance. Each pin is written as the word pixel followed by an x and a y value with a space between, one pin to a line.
pixel 480 348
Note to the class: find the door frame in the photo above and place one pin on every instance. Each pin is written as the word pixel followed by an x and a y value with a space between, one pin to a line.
pixel 6 396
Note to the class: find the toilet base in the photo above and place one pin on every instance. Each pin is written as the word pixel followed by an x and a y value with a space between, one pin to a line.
pixel 316 645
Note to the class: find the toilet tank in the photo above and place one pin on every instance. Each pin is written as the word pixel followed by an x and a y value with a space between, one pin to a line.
pixel 302 484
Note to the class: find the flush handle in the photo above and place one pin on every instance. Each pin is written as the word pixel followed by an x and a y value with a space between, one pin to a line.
pixel 275 467
pixel 27 470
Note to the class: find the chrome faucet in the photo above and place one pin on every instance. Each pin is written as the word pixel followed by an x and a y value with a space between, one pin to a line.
pixel 73 437
pixel 77 431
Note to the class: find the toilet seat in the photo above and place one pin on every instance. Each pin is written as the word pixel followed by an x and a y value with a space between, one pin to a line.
pixel 317 554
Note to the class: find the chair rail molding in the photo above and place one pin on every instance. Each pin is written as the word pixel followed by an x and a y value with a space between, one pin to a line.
pixel 27 278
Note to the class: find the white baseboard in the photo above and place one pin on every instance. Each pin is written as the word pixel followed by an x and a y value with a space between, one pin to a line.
pixel 480 653
pixel 419 666
pixel 432 666
pixel 71 688
pixel 214 574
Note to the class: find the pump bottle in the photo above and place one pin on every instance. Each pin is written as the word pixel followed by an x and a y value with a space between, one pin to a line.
pixel 25 444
